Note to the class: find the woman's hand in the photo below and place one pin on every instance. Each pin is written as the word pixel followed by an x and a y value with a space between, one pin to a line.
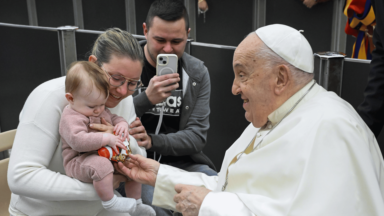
pixel 138 131
pixel 103 127
pixel 140 169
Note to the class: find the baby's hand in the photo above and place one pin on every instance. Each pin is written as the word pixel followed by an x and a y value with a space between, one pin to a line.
pixel 114 142
pixel 120 129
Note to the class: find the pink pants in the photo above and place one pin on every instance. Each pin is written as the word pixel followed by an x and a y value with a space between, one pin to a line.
pixel 89 167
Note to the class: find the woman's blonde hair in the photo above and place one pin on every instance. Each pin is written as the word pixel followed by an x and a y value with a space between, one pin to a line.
pixel 116 42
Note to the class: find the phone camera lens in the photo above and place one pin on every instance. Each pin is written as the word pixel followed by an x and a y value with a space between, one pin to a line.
pixel 161 58
pixel 164 62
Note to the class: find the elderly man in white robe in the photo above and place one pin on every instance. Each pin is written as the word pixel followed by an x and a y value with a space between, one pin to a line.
pixel 306 151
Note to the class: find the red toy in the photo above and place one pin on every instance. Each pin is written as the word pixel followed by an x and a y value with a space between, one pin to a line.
pixel 109 153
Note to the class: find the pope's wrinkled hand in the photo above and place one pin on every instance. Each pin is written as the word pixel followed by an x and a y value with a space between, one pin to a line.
pixel 140 169
pixel 189 198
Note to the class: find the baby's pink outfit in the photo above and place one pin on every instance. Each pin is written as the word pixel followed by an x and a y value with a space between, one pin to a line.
pixel 80 144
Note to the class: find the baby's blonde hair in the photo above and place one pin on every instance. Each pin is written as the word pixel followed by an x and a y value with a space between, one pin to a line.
pixel 80 73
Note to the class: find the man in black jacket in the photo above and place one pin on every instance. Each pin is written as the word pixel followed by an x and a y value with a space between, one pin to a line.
pixel 372 108
pixel 177 135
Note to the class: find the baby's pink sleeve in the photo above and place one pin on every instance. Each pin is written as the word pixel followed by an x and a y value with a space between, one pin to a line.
pixel 73 129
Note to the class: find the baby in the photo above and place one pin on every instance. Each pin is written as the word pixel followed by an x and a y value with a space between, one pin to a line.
pixel 87 90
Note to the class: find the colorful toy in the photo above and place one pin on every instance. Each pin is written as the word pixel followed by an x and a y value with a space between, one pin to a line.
pixel 109 153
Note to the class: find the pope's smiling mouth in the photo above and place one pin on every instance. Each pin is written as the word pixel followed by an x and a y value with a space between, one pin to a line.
pixel 246 100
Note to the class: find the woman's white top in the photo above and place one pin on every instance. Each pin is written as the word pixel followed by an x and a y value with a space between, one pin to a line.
pixel 36 175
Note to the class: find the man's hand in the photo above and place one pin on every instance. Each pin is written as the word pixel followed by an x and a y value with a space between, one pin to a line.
pixel 140 169
pixel 309 3
pixel 160 87
pixel 189 199
pixel 103 127
pixel 202 5
pixel 140 134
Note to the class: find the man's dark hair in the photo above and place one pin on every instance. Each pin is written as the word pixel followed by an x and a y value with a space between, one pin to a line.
pixel 168 10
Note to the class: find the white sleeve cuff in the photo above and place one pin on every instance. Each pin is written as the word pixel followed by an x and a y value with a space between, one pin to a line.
pixel 168 177
pixel 222 204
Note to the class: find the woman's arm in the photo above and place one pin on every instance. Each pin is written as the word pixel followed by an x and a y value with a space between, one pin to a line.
pixel 28 174
pixel 35 168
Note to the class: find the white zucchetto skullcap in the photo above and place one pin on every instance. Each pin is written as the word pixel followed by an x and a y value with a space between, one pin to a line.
pixel 289 44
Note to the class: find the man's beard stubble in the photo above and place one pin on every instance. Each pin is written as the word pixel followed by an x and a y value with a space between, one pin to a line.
pixel 150 55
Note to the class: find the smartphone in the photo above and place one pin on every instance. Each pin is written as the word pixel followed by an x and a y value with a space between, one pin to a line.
pixel 166 64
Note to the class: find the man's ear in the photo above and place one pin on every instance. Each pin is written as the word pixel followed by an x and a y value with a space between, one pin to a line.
pixel 92 58
pixel 189 30
pixel 145 30
pixel 282 79
pixel 69 97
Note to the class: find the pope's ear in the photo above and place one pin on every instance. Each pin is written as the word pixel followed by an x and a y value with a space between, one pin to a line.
pixel 69 97
pixel 282 79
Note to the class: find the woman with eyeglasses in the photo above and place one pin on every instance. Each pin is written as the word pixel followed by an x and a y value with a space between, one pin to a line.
pixel 36 175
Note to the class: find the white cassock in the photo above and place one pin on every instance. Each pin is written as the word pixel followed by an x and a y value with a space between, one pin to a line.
pixel 321 159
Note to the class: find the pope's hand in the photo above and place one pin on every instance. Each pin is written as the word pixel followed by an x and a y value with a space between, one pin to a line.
pixel 189 199
pixel 140 169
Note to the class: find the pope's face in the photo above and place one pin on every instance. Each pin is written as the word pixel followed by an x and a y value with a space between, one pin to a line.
pixel 253 82
pixel 165 37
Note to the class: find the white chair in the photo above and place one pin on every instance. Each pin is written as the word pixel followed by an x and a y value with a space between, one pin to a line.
pixel 6 142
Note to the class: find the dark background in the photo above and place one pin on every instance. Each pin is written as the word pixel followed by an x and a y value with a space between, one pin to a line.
pixel 227 21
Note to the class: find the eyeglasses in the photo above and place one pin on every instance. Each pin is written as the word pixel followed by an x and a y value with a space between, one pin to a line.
pixel 118 80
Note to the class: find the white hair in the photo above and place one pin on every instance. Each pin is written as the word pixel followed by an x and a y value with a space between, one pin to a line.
pixel 273 60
